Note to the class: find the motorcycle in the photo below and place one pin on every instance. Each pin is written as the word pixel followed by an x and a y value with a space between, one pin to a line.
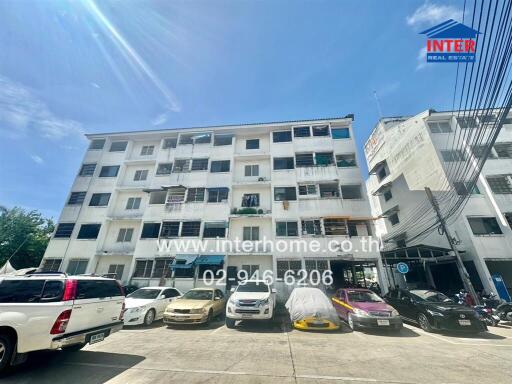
pixel 500 307
pixel 484 311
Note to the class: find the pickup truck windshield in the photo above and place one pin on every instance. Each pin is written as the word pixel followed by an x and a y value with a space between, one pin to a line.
pixel 253 287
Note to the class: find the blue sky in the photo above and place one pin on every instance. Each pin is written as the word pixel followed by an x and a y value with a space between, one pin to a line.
pixel 72 67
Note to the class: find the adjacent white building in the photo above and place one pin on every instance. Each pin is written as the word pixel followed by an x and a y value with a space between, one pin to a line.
pixel 278 181
pixel 406 154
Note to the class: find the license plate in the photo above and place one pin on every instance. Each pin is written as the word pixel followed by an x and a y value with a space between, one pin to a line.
pixel 382 322
pixel 465 322
pixel 96 338
pixel 181 318
pixel 246 316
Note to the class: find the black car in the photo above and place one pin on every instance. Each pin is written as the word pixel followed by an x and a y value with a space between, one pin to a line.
pixel 433 310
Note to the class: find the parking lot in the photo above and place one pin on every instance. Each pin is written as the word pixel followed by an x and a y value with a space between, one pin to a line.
pixel 259 353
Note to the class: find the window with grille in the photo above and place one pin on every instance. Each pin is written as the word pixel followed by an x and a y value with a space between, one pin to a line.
pixel 143 268
pixel 214 230
pixel 217 195
pixel 281 136
pixel 335 227
pixel 346 160
pixel 150 231
pixel 125 235
pixel 463 188
pixel 195 195
pixel 283 163
pixel 147 150
pixel 304 131
pixel 439 126
pixel 89 231
pixel 164 169
pixel 251 233
pixel 219 140
pixel 501 184
pixel 170 142
pixel 304 160
pixel 329 190
pixel 157 197
pixel 320 130
pixel 466 122
pixel 162 268
pixel 307 190
pixel 64 230
pixel 109 171
pixel 99 199
pixel 250 270
pixel 340 133
pixel 182 165
pixel 482 226
pixel 324 158
pixel 133 203
pixel 285 193
pixel 252 170
pixel 87 169
pixel 252 144
pixel 117 270
pixel 51 265
pixel 316 265
pixel 77 266
pixel 393 219
pixel 176 195
pixel 251 200
pixel 503 150
pixel 190 228
pixel 311 227
pixel 76 198
pixel 453 155
pixel 283 266
pixel 118 146
pixel 170 229
pixel 286 228
pixel 479 152
pixel 199 164
pixel 97 144
pixel 140 175
pixel 487 119
pixel 220 166
pixel 351 192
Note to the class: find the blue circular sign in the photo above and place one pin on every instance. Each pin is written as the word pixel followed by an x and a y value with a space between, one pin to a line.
pixel 402 268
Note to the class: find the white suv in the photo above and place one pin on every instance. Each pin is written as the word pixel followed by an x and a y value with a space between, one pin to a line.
pixel 50 311
pixel 251 300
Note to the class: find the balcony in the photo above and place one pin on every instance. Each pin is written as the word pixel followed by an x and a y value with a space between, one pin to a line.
pixel 252 181
pixel 123 249
pixel 126 215
pixel 250 212
pixel 252 155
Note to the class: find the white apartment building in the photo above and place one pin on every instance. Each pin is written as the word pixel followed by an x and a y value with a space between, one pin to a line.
pixel 406 154
pixel 295 180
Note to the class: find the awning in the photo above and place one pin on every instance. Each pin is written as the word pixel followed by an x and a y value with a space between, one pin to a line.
pixel 183 262
pixel 210 260
pixel 179 186
pixel 384 187
pixel 377 165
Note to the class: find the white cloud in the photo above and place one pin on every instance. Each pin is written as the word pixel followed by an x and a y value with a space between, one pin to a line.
pixel 23 113
pixel 37 159
pixel 422 59
pixel 160 119
pixel 429 14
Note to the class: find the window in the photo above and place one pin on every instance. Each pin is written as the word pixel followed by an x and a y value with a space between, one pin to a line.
pixel 304 160
pixel 351 192
pixel 170 229
pixel 301 131
pixel 133 203
pixel 170 142
pixel 340 133
pixel 251 233
pixel 453 155
pixel 87 169
pixel 252 144
pixel 97 144
pixel 219 140
pixel 109 171
pixel 393 219
pixel 500 184
pixel 118 146
pixel 117 270
pixel 463 188
pixel 439 126
pixel 143 268
pixel 307 190
pixel 286 228
pixel 479 152
pixel 182 165
pixel 186 139
pixel 150 231
pixel 125 235
pixel 217 195
pixel 89 231
pixel 196 138
pixel 162 269
pixel 482 226
pixel 316 265
pixel 387 195
pixel 50 265
pixel 220 166
pixel 503 150
pixel 345 161
pixel 64 230
pixel 195 195
pixel 285 193
pixel 99 199
pixel 281 136
pixel 76 198
pixel 324 158
pixel 335 227
pixel 157 197
pixel 284 266
pixel 214 230
pixel 140 175
pixel 329 190
pixel 147 150
pixel 21 291
pixel 252 170
pixel 320 130
pixel 466 122
pixel 176 195
pixel 311 227
pixel 76 266
pixel 508 216
pixel 190 228
pixel 250 270
pixel 199 164
pixel 283 163
pixel 251 200
pixel 381 173
pixel 487 119
pixel 164 169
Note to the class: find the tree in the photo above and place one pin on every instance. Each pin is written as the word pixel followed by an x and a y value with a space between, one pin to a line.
pixel 27 230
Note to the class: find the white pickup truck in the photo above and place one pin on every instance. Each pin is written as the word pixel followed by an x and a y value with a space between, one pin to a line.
pixel 51 311
pixel 250 300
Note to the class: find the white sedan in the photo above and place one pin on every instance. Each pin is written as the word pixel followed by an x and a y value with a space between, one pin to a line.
pixel 148 304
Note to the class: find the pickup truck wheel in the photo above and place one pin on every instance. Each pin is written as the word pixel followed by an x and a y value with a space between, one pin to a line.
pixel 149 318
pixel 230 323
pixel 74 347
pixel 6 351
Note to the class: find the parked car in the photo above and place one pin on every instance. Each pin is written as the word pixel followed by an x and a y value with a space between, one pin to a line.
pixel 199 305
pixel 146 305
pixel 311 309
pixel 362 308
pixel 51 311
pixel 251 300
pixel 432 310
pixel 129 289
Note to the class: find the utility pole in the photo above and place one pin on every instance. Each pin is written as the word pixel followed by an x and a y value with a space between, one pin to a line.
pixel 468 286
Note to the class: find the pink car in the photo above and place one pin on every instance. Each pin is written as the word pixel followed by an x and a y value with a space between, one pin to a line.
pixel 362 308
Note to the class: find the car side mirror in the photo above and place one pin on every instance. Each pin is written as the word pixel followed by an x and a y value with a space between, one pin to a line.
pixel 273 290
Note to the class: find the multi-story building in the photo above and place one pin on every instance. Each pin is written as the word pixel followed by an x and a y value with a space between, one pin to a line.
pixel 407 154
pixel 276 181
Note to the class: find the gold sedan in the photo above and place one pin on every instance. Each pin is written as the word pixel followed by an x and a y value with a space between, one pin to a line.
pixel 197 306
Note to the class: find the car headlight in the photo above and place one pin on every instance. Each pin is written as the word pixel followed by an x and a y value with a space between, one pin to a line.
pixel 138 309
pixel 197 311
pixel 360 312
pixel 232 302
pixel 264 302
pixel 434 313
pixel 394 312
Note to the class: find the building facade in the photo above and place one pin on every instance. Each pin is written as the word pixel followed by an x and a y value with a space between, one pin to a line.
pixel 260 184
pixel 407 154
